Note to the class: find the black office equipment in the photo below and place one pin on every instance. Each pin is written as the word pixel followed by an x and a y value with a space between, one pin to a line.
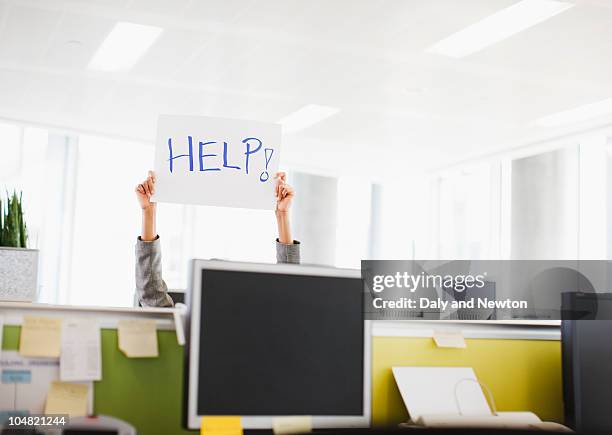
pixel 271 340
pixel 587 363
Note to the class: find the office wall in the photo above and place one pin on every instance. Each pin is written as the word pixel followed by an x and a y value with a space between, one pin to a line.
pixel 522 375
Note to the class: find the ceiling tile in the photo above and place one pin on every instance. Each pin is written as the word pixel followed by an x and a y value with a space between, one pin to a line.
pixel 26 34
pixel 76 40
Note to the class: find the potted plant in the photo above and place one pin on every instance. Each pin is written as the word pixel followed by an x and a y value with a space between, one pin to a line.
pixel 18 264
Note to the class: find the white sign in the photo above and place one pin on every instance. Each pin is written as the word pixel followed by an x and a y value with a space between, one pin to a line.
pixel 216 161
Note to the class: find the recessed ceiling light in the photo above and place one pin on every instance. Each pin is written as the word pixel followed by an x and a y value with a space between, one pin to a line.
pixel 499 26
pixel 306 116
pixel 577 114
pixel 124 46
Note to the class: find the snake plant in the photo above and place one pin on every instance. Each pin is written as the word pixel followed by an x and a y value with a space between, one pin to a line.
pixel 13 229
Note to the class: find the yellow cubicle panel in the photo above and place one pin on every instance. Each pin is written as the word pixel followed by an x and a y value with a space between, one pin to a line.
pixel 523 375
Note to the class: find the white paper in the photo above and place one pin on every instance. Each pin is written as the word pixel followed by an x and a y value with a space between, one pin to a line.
pixel 440 390
pixel 449 339
pixel 26 381
pixel 178 327
pixel 81 356
pixel 216 161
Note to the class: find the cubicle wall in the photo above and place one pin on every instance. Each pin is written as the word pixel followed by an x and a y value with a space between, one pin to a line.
pixel 522 367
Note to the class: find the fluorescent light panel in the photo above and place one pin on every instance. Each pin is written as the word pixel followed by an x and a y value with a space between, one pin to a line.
pixel 306 117
pixel 499 26
pixel 124 46
pixel 577 114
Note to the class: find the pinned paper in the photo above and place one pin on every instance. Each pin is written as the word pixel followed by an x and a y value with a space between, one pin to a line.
pixel 67 398
pixel 178 327
pixel 449 339
pixel 25 383
pixel 292 425
pixel 216 161
pixel 221 425
pixel 40 337
pixel 138 338
pixel 81 355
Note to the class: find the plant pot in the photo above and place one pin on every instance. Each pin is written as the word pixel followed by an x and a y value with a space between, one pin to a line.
pixel 18 274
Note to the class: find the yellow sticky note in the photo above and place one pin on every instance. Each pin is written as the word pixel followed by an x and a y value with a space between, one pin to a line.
pixel 67 398
pixel 451 339
pixel 292 425
pixel 40 337
pixel 138 338
pixel 221 425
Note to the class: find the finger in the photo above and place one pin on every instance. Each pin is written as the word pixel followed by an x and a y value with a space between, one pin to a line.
pixel 290 190
pixel 151 186
pixel 145 185
pixel 140 189
pixel 152 174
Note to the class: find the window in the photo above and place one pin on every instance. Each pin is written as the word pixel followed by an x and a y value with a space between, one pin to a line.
pixel 545 206
pixel 550 202
pixel 106 221
pixel 467 203
pixel 32 165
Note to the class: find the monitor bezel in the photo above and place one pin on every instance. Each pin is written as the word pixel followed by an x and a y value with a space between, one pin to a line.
pixel 266 422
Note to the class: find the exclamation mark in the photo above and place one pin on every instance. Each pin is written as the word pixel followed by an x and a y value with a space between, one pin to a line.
pixel 264 175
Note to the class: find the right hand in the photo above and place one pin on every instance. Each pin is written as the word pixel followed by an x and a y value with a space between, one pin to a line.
pixel 144 191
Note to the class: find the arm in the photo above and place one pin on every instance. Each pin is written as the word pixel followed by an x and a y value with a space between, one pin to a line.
pixel 287 249
pixel 150 287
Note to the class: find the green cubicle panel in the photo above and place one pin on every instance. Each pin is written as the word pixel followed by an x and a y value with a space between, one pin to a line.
pixel 146 392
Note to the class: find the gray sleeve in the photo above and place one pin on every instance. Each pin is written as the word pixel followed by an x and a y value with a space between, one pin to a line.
pixel 151 289
pixel 286 253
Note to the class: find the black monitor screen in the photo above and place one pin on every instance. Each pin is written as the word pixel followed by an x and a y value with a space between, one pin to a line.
pixel 277 344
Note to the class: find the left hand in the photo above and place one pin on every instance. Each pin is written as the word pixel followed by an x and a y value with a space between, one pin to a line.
pixel 284 193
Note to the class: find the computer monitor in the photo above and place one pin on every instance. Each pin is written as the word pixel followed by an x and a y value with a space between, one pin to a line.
pixel 268 340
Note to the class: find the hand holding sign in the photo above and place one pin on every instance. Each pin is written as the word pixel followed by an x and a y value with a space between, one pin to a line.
pixel 284 193
pixel 212 161
pixel 145 190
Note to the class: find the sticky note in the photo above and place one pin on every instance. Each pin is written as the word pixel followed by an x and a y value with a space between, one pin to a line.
pixel 292 425
pixel 67 398
pixel 40 337
pixel 449 339
pixel 81 354
pixel 138 338
pixel 221 425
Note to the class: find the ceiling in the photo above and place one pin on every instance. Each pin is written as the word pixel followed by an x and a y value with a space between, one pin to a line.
pixel 401 108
